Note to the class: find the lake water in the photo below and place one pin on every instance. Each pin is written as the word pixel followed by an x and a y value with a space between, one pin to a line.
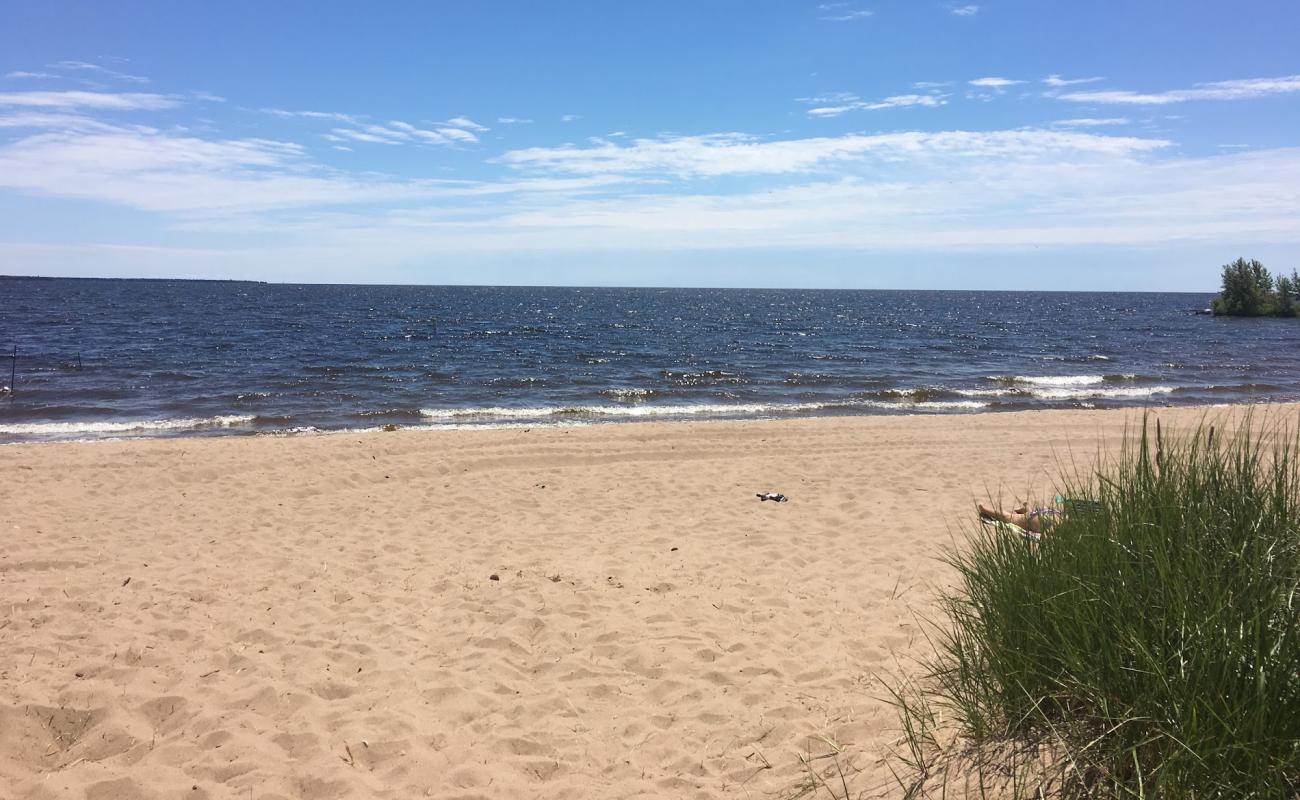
pixel 111 358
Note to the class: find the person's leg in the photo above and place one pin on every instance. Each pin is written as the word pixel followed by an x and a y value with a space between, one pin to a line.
pixel 1026 521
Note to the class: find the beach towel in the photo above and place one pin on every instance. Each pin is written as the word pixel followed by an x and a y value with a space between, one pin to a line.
pixel 1012 528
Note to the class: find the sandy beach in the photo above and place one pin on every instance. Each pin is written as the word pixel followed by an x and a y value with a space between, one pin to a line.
pixel 599 612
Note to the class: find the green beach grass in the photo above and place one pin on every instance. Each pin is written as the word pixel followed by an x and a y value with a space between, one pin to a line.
pixel 1148 647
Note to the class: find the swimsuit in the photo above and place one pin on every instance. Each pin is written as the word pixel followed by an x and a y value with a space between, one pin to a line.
pixel 1046 517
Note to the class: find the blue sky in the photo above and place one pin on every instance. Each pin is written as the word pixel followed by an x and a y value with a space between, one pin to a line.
pixel 886 144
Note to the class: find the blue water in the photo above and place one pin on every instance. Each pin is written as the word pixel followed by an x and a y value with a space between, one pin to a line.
pixel 106 358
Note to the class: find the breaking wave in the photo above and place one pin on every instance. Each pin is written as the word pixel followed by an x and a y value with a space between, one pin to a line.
pixel 122 427
pixel 692 410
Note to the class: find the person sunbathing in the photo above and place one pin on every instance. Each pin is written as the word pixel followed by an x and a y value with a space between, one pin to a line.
pixel 1037 520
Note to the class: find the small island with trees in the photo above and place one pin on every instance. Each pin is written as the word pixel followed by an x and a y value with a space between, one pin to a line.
pixel 1250 291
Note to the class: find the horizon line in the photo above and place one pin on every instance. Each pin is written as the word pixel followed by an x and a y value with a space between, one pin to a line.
pixel 599 286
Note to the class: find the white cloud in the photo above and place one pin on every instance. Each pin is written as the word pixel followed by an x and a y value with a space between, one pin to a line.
pixel 96 69
pixel 739 154
pixel 945 190
pixel 341 134
pixel 965 11
pixel 393 132
pixel 458 134
pixel 994 83
pixel 165 172
pixel 465 122
pixel 1219 90
pixel 514 121
pixel 848 15
pixel 66 121
pixel 398 132
pixel 922 202
pixel 1091 122
pixel 931 84
pixel 569 117
pixel 128 101
pixel 1057 80
pixel 1052 198
pixel 44 76
pixel 897 101
pixel 178 174
pixel 830 97
pixel 324 115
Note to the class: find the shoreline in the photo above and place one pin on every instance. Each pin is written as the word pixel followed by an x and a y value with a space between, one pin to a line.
pixel 189 428
pixel 593 611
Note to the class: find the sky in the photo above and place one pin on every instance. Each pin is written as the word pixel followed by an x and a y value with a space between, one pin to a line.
pixel 1109 145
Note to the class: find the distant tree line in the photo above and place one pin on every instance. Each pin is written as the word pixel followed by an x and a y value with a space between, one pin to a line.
pixel 1250 291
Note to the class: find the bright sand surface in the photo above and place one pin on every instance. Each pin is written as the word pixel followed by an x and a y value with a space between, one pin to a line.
pixel 318 617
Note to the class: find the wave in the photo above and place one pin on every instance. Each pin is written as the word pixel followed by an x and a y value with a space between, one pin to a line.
pixel 1069 387
pixel 1059 381
pixel 1077 359
pixel 62 429
pixel 693 410
pixel 1072 387
pixel 1130 393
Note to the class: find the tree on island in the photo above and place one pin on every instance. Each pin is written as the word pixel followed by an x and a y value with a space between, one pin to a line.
pixel 1250 291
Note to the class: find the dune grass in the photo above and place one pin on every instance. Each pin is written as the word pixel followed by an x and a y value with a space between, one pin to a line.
pixel 1147 647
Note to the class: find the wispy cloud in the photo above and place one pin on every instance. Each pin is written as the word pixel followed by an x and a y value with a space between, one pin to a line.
pixel 453 131
pixel 513 121
pixel 387 137
pixel 65 121
pixel 851 103
pixel 323 115
pixel 739 154
pixel 829 97
pixel 96 69
pixel 569 117
pixel 1091 122
pixel 466 122
pixel 1219 90
pixel 1057 81
pixel 843 12
pixel 458 134
pixel 986 191
pixel 989 89
pixel 931 84
pixel 107 101
pixel 964 11
pixel 159 172
pixel 1065 185
pixel 42 76
pixel 398 132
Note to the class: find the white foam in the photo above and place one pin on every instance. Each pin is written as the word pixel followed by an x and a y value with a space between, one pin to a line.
pixel 61 429
pixel 694 410
pixel 1114 394
pixel 1060 380
pixel 992 392
pixel 1068 387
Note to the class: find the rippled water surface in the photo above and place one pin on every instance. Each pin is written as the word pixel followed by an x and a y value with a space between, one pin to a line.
pixel 99 358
